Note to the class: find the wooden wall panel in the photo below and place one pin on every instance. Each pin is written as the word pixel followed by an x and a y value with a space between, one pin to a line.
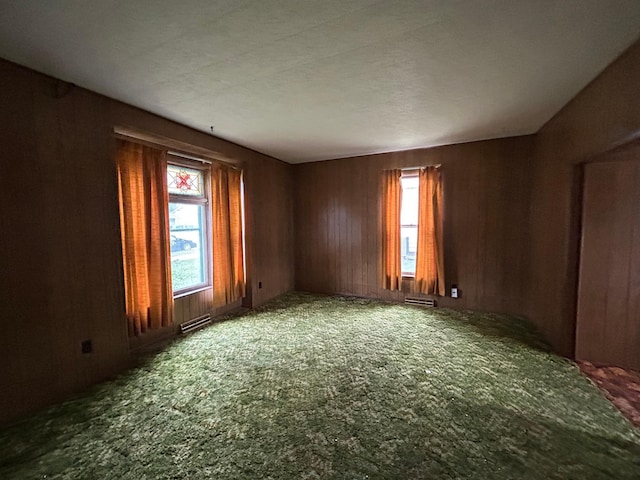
pixel 270 227
pixel 603 116
pixel 60 251
pixel 338 232
pixel 193 306
pixel 608 312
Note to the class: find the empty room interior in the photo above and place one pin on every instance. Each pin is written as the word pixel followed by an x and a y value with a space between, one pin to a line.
pixel 320 239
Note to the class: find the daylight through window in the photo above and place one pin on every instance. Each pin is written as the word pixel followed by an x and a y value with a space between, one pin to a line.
pixel 409 223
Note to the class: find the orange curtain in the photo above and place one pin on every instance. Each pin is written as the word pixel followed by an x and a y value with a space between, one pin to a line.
pixel 226 226
pixel 391 200
pixel 429 257
pixel 144 226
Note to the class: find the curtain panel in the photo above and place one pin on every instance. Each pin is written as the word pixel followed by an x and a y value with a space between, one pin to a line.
pixel 144 227
pixel 391 203
pixel 429 257
pixel 226 226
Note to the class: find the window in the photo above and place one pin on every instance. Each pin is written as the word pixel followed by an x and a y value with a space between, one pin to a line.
pixel 178 215
pixel 412 229
pixel 409 223
pixel 188 227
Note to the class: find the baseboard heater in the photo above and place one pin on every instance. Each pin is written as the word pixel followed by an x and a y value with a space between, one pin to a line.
pixel 194 324
pixel 420 301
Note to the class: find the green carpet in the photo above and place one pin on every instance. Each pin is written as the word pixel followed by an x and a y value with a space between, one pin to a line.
pixel 328 387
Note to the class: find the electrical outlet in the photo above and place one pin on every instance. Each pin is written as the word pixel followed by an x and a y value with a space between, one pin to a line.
pixel 454 291
pixel 86 346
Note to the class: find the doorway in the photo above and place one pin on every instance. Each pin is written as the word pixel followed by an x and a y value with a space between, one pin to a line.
pixel 608 306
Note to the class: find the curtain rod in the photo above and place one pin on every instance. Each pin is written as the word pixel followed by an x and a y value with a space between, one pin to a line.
pixel 202 160
pixel 420 167
pixel 189 157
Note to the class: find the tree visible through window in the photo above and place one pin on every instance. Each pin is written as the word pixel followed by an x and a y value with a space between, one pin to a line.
pixel 187 227
pixel 409 223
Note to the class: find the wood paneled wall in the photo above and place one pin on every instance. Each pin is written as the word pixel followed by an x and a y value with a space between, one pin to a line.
pixel 269 205
pixel 60 258
pixel 192 306
pixel 608 311
pixel 603 116
pixel 486 189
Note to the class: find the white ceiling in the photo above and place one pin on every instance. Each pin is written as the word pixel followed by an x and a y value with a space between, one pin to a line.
pixel 306 80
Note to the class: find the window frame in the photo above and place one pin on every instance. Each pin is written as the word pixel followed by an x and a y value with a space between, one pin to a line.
pixel 205 201
pixel 412 173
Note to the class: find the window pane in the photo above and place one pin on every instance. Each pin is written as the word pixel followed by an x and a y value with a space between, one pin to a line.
pixel 408 224
pixel 187 246
pixel 184 181
pixel 409 212
pixel 408 244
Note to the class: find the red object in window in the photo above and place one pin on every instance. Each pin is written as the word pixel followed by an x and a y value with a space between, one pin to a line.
pixel 183 181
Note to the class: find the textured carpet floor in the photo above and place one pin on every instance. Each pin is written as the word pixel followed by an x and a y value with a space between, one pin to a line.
pixel 328 387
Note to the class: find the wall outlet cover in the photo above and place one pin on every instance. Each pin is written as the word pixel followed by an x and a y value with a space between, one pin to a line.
pixel 86 346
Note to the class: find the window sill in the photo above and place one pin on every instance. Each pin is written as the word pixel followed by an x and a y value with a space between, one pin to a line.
pixel 191 292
